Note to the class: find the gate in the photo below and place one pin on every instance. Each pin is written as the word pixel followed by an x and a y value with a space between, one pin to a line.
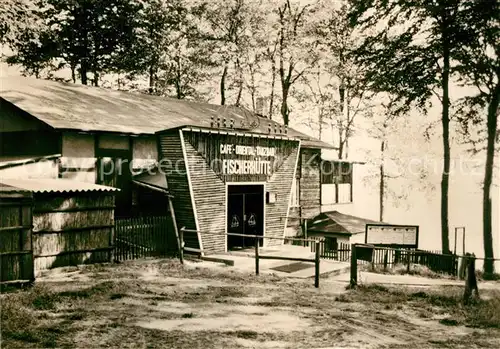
pixel 144 237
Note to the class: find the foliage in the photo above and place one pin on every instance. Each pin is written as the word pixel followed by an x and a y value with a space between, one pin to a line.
pixel 15 18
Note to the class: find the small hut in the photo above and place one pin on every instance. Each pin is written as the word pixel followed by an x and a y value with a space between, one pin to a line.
pixel 73 222
pixel 16 256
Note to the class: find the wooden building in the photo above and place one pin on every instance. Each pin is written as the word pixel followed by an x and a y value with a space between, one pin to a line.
pixel 337 228
pixel 61 222
pixel 227 169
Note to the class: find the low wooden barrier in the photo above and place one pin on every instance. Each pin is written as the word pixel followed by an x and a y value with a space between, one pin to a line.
pixel 258 256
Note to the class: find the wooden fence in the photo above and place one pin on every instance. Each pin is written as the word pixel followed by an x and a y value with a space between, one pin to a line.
pixel 72 229
pixel 390 257
pixel 16 254
pixel 342 253
pixel 144 237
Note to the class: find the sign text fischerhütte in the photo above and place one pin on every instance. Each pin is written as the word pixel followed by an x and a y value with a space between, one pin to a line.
pixel 254 166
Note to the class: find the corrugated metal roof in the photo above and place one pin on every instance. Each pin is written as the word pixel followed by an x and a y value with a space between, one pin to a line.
pixel 4 188
pixel 339 223
pixel 73 106
pixel 6 162
pixel 49 185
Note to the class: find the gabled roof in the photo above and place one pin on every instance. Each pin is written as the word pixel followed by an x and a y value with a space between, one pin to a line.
pixel 84 108
pixel 339 223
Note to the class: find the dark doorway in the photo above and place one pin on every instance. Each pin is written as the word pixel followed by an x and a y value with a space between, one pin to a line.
pixel 113 169
pixel 245 214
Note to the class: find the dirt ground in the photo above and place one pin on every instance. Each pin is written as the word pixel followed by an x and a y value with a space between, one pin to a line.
pixel 161 304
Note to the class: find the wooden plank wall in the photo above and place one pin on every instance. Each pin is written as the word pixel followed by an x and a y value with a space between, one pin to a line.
pixel 310 186
pixel 210 197
pixel 209 187
pixel 281 184
pixel 16 255
pixel 72 229
pixel 172 163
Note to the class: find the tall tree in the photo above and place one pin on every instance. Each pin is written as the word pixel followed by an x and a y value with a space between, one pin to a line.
pixel 295 48
pixel 337 39
pixel 479 67
pixel 408 52
pixel 225 24
pixel 90 34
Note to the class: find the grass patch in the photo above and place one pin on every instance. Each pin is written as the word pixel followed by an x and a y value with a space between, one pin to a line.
pixel 483 313
pixel 490 277
pixel 22 311
pixel 402 269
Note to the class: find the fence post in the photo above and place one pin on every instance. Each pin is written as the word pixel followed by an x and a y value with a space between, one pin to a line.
pixel 408 262
pixel 257 256
pixel 354 267
pixel 385 260
pixel 316 265
pixel 181 245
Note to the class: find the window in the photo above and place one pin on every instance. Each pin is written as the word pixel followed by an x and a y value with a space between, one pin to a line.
pixel 336 182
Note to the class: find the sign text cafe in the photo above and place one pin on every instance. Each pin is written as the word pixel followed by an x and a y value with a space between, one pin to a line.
pixel 258 164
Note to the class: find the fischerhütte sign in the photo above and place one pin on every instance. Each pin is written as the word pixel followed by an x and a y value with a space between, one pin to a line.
pixel 255 166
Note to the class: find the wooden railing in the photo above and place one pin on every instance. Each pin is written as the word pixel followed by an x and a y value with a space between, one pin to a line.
pixel 258 256
pixel 389 257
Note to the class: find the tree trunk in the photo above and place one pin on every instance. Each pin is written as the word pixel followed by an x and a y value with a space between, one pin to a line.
pixel 73 72
pixel 83 73
pixel 382 182
pixel 273 82
pixel 342 140
pixel 151 80
pixel 178 80
pixel 489 265
pixel 240 83
pixel 285 112
pixel 96 79
pixel 223 86
pixel 320 117
pixel 445 120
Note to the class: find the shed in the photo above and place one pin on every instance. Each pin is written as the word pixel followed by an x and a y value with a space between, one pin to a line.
pixel 73 222
pixel 336 227
pixel 16 257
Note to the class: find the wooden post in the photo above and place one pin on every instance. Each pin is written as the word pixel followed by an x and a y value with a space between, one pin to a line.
pixel 316 265
pixel 257 256
pixel 181 244
pixel 455 246
pixel 408 262
pixel 174 222
pixel 470 279
pixel 463 241
pixel 306 243
pixel 354 267
pixel 385 260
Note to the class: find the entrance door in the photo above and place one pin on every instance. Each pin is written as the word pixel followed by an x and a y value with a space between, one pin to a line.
pixel 245 214
pixel 235 216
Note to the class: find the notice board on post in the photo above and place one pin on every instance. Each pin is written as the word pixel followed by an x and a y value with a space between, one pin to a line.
pixel 392 235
